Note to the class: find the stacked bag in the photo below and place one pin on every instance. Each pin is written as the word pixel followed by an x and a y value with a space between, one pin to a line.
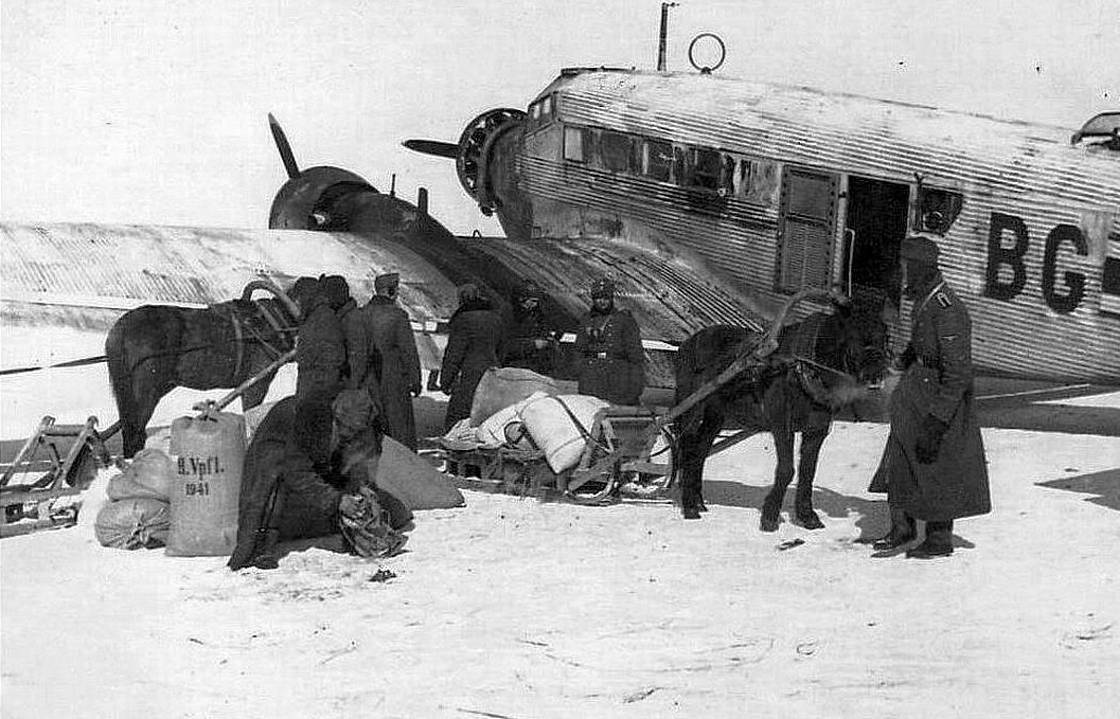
pixel 139 511
pixel 185 499
pixel 520 409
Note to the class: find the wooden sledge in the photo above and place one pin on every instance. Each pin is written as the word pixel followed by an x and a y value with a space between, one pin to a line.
pixel 643 470
pixel 73 454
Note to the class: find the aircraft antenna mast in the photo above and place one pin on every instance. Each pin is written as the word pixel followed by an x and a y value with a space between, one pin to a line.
pixel 663 34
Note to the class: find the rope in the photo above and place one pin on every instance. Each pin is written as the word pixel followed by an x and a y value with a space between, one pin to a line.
pixel 69 363
pixel 274 323
pixel 575 420
pixel 239 338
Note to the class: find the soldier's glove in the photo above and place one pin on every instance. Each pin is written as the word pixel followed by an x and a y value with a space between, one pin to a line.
pixel 908 357
pixel 415 390
pixel 365 525
pixel 930 434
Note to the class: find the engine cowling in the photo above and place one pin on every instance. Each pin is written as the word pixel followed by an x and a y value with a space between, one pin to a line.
pixel 310 200
pixel 475 152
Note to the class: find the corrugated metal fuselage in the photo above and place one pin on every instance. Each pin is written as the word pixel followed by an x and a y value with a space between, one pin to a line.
pixel 1030 227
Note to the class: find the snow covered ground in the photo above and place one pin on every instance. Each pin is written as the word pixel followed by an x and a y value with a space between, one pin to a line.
pixel 513 608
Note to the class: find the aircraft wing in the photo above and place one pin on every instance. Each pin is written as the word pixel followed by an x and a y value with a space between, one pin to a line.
pixel 85 276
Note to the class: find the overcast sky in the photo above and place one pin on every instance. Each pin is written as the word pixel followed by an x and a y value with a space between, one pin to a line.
pixel 143 111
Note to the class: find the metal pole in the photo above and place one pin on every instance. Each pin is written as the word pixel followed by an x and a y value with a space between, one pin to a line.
pixel 664 33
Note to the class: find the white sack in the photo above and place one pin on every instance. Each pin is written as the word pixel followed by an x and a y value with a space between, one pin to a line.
pixel 552 428
pixel 492 432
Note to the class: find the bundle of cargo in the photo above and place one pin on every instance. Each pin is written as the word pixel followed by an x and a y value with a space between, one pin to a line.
pixel 542 444
pixel 138 513
pixel 501 387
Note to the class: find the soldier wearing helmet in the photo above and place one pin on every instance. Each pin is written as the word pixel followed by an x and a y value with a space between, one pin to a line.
pixel 933 466
pixel 608 348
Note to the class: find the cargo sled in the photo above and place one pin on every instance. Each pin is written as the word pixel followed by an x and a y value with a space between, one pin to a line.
pixel 628 452
pixel 641 466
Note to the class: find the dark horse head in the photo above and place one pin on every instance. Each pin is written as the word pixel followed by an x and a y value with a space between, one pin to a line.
pixel 819 365
pixel 851 351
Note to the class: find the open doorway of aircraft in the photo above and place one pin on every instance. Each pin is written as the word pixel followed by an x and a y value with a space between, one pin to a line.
pixel 708 199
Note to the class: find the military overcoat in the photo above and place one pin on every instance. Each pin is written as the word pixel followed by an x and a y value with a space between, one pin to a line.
pixel 283 488
pixel 320 354
pixel 400 366
pixel 609 357
pixel 475 342
pixel 938 383
pixel 525 331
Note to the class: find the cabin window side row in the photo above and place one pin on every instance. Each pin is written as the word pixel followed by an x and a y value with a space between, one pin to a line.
pixel 691 167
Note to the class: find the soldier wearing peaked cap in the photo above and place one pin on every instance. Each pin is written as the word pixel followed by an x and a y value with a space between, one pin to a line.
pixel 933 467
pixel 387 350
pixel 608 349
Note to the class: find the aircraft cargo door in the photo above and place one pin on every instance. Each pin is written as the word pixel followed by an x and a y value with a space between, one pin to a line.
pixel 876 226
pixel 805 230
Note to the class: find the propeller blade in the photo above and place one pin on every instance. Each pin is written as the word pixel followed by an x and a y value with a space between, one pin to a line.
pixel 285 149
pixel 433 147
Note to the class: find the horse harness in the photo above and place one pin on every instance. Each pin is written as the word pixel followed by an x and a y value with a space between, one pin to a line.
pixel 801 354
pixel 233 313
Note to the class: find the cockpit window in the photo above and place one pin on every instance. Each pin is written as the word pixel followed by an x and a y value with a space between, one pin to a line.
pixel 541 112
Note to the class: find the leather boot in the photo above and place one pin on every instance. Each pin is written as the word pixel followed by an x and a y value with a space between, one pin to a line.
pixel 938 543
pixel 902 531
pixel 268 555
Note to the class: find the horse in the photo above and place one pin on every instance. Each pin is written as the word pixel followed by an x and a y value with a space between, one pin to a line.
pixel 821 364
pixel 153 349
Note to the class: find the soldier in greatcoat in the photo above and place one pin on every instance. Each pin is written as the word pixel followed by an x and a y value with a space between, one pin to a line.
pixel 933 467
pixel 320 365
pixel 475 342
pixel 608 350
pixel 337 291
pixel 287 493
pixel 532 342
pixel 398 380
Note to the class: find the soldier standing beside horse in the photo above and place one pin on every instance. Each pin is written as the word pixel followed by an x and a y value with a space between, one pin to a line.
pixel 933 466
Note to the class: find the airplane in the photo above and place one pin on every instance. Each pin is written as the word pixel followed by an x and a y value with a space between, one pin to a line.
pixel 708 199
pixel 776 189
